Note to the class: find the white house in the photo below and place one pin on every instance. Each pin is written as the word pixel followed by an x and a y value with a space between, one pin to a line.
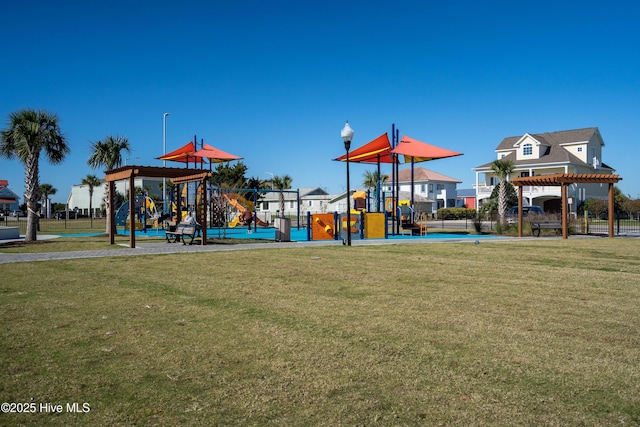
pixel 313 199
pixel 79 196
pixel 432 187
pixel 569 151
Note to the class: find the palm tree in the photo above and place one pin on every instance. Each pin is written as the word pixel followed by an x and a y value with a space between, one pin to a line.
pixel 45 191
pixel 371 179
pixel 108 155
pixel 502 168
pixel 30 133
pixel 281 183
pixel 92 181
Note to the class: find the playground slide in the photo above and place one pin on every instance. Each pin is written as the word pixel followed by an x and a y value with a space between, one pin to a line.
pixel 241 209
pixel 235 222
pixel 235 203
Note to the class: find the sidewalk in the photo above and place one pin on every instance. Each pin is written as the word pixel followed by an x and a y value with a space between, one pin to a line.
pixel 162 248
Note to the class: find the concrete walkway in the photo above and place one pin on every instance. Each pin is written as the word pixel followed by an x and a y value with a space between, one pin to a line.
pixel 162 248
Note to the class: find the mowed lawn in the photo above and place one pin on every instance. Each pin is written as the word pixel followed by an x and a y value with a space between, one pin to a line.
pixel 518 333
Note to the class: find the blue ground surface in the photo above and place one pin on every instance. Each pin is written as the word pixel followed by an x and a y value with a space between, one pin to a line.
pixel 269 233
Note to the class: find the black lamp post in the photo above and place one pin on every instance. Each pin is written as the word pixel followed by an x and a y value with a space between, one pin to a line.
pixel 347 136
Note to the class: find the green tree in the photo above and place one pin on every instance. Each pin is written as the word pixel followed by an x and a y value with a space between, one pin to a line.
pixel 502 168
pixel 92 182
pixel 282 183
pixel 230 176
pixel 46 190
pixel 107 154
pixel 29 134
pixel 371 179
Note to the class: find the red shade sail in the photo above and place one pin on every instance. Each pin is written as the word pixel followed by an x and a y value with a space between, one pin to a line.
pixel 378 150
pixel 184 154
pixel 215 155
pixel 420 151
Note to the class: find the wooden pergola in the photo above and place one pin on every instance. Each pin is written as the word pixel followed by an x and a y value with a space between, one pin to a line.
pixel 176 175
pixel 563 180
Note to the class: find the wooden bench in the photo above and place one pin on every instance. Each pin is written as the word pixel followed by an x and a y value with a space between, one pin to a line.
pixel 179 233
pixel 549 225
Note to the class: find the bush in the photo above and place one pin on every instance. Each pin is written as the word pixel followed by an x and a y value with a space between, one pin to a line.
pixel 456 213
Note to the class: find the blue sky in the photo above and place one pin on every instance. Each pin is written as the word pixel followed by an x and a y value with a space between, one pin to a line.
pixel 274 81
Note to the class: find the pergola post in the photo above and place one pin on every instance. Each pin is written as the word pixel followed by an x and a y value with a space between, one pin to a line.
pixel 132 211
pixel 520 222
pixel 565 219
pixel 205 204
pixel 110 201
pixel 611 209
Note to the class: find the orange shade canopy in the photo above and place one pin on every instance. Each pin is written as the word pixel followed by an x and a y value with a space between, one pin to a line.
pixel 421 151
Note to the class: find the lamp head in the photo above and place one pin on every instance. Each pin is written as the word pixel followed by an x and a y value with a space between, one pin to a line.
pixel 347 135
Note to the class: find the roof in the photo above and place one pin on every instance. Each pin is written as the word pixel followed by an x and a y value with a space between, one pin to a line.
pixel 466 192
pixel 175 174
pixel 422 174
pixel 558 179
pixel 552 138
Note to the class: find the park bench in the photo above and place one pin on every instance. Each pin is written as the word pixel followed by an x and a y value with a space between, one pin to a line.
pixel 180 231
pixel 549 225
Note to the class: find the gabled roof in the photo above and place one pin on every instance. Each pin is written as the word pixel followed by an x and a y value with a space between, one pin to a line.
pixel 422 174
pixel 551 138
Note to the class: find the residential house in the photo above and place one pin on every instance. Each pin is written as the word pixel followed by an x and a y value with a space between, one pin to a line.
pixel 570 151
pixel 9 201
pixel 312 199
pixel 466 198
pixel 432 187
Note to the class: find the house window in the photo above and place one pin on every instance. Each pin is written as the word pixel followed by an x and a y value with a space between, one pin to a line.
pixel 527 149
pixel 265 206
pixel 310 203
pixel 291 205
pixel 430 188
pixel 579 149
pixel 423 188
pixel 523 174
pixel 440 187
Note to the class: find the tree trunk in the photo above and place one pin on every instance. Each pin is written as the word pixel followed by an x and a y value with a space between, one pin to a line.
pixel 502 200
pixel 31 185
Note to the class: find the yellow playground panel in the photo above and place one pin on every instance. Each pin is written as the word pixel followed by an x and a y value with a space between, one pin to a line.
pixel 374 225
pixel 322 226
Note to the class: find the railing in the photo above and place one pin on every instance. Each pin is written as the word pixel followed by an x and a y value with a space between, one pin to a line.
pixel 528 190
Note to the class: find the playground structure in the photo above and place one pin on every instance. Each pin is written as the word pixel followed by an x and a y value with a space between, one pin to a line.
pixel 144 209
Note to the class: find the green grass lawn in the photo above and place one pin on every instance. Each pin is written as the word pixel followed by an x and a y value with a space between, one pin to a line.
pixel 530 332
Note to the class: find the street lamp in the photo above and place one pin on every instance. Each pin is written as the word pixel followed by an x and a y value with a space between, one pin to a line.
pixel 164 162
pixel 271 179
pixel 347 136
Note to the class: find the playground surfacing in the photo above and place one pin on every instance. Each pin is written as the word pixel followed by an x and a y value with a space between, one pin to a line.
pixel 300 235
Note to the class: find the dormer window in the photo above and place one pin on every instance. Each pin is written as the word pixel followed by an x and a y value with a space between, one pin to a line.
pixel 527 149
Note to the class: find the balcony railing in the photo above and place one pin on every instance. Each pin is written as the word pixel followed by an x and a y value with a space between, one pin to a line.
pixel 528 190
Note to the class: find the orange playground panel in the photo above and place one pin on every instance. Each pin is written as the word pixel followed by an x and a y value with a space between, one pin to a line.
pixel 322 227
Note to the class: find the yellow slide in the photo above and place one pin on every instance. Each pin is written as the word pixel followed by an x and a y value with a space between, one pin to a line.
pixel 235 221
